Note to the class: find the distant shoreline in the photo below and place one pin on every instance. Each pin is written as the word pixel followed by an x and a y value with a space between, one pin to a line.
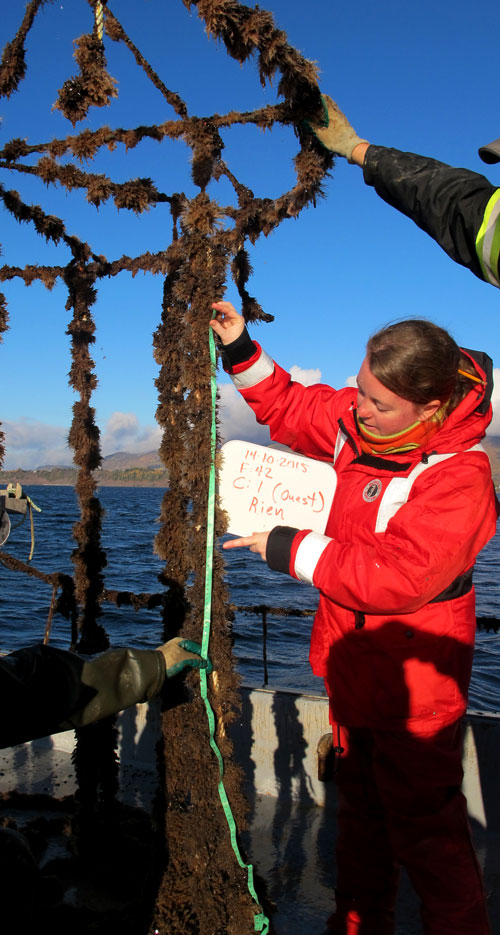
pixel 66 477
pixel 129 469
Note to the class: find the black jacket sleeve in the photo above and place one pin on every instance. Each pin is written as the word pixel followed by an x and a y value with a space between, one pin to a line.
pixel 238 352
pixel 447 203
pixel 44 690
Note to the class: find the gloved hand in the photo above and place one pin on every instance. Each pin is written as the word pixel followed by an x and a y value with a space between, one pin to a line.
pixel 334 132
pixel 179 654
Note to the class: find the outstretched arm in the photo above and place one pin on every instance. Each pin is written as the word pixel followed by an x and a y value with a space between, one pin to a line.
pixel 47 690
pixel 458 208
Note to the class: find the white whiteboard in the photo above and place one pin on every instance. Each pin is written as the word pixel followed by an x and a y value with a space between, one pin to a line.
pixel 262 487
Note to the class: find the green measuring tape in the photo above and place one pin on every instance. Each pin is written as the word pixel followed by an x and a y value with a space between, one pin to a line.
pixel 261 922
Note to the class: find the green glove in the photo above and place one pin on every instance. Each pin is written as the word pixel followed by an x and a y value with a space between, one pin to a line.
pixel 334 132
pixel 179 654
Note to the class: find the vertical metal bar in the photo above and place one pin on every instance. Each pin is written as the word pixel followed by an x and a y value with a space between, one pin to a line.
pixel 264 643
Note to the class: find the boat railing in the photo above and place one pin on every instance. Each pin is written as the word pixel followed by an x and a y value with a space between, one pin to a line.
pixel 264 611
pixel 66 604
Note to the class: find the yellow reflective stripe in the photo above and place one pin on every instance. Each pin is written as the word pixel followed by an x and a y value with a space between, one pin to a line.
pixel 488 241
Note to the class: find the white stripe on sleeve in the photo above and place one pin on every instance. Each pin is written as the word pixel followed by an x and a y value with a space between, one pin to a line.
pixel 308 555
pixel 262 368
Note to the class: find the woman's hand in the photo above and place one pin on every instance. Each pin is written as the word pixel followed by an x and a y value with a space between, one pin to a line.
pixel 257 542
pixel 228 323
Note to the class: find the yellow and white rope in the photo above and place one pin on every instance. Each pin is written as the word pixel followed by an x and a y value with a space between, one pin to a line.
pixel 99 19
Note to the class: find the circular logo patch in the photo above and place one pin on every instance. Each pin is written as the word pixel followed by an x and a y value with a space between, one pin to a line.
pixel 372 490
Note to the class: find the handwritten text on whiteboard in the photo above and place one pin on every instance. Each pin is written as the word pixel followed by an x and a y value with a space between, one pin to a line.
pixel 262 487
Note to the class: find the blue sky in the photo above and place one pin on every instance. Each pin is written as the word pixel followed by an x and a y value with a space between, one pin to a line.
pixel 419 77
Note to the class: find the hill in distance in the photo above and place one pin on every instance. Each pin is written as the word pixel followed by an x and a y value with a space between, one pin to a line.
pixel 122 469
pixel 492 445
pixel 129 469
pixel 123 460
pixel 119 461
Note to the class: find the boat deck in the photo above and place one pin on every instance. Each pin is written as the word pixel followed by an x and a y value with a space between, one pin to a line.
pixel 291 834
pixel 292 847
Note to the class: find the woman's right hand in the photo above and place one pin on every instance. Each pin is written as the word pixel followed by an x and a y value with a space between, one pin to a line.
pixel 228 323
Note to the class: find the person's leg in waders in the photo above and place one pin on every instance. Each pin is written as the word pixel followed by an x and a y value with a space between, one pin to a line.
pixel 419 781
pixel 367 873
pixel 416 781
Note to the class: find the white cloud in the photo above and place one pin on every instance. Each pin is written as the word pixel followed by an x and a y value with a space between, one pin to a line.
pixel 494 427
pixel 237 419
pixel 123 432
pixel 29 444
pixel 32 444
pixel 306 377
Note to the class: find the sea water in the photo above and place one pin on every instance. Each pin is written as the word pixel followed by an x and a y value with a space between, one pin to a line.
pixel 129 526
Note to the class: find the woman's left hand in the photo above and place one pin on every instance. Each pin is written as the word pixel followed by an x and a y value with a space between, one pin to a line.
pixel 257 542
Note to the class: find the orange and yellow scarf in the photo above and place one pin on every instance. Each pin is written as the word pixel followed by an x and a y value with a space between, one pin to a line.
pixel 420 433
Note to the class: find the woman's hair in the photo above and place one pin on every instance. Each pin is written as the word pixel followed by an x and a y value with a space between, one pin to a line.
pixel 419 361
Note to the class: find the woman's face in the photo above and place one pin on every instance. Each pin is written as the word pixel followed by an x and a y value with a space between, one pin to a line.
pixel 382 411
